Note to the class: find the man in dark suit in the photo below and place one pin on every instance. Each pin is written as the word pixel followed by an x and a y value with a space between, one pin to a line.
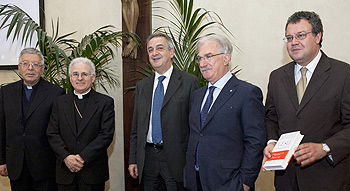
pixel 159 137
pixel 227 130
pixel 320 109
pixel 80 130
pixel 25 108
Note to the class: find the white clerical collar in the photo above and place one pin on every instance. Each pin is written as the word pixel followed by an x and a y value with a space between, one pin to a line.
pixel 80 96
pixel 29 87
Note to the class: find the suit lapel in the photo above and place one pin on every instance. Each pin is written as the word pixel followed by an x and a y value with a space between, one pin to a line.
pixel 174 84
pixel 17 99
pixel 289 84
pixel 197 104
pixel 90 109
pixel 147 92
pixel 69 112
pixel 229 89
pixel 318 78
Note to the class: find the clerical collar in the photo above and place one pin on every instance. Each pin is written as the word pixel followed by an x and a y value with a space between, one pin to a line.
pixel 30 87
pixel 82 96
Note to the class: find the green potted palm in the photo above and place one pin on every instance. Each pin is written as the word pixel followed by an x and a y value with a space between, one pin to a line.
pixel 99 46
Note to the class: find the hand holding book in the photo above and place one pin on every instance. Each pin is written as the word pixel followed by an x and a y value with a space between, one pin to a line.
pixel 308 153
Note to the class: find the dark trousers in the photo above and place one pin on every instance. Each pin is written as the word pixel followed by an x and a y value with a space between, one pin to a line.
pixel 199 184
pixel 27 183
pixel 156 175
pixel 79 185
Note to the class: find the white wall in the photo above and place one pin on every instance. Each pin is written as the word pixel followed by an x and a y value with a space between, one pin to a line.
pixel 257 25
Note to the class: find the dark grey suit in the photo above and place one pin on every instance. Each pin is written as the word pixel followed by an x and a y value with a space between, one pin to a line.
pixel 19 139
pixel 323 116
pixel 94 135
pixel 174 121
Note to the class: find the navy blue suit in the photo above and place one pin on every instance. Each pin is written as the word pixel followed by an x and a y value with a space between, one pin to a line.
pixel 231 141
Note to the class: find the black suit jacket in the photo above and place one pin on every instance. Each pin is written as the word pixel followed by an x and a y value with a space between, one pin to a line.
pixel 323 116
pixel 94 135
pixel 174 121
pixel 18 140
pixel 231 142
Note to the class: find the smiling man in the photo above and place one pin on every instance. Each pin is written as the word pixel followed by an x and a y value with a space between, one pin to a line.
pixel 158 141
pixel 227 130
pixel 25 109
pixel 311 95
pixel 81 129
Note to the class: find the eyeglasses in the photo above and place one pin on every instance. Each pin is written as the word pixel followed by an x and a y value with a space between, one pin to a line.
pixel 207 57
pixel 84 75
pixel 299 36
pixel 35 65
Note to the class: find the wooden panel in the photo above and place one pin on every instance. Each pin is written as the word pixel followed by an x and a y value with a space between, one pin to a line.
pixel 130 77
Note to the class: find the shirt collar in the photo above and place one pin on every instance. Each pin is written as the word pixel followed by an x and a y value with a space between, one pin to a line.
pixel 312 65
pixel 167 74
pixel 222 81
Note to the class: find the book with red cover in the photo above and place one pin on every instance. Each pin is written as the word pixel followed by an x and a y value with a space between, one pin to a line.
pixel 283 151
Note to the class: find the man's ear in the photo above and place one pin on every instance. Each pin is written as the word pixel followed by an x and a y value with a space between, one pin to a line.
pixel 227 58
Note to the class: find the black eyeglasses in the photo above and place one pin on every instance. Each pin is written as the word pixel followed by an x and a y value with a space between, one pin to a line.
pixel 299 36
pixel 207 57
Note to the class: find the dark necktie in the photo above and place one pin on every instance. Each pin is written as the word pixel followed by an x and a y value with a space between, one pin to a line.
pixel 204 115
pixel 301 85
pixel 207 105
pixel 156 108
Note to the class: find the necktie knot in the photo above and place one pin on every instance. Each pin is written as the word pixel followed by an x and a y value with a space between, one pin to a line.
pixel 303 71
pixel 160 79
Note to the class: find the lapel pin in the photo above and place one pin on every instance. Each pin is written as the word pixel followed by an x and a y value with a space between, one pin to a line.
pixel 230 90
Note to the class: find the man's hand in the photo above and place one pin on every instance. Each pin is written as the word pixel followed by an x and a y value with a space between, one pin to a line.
pixel 246 187
pixel 3 170
pixel 74 163
pixel 308 153
pixel 267 153
pixel 133 170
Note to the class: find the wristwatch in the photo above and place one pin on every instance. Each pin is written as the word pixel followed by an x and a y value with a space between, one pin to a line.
pixel 326 148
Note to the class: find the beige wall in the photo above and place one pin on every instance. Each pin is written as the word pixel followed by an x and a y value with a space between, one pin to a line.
pixel 85 17
pixel 258 27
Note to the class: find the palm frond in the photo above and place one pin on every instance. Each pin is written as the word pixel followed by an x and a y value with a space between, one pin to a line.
pixel 100 47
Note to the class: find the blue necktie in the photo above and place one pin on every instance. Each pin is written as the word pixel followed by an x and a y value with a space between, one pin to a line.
pixel 157 106
pixel 204 115
pixel 207 105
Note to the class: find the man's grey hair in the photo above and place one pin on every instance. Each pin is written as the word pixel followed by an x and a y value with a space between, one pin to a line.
pixel 169 42
pixel 223 44
pixel 312 18
pixel 84 61
pixel 32 51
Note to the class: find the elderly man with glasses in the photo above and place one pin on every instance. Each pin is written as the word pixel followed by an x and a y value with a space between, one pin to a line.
pixel 25 108
pixel 81 129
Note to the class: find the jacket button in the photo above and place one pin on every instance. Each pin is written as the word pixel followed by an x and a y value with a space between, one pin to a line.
pixel 24 134
pixel 78 142
pixel 201 135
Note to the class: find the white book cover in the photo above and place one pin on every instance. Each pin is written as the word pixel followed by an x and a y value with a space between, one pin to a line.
pixel 283 151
